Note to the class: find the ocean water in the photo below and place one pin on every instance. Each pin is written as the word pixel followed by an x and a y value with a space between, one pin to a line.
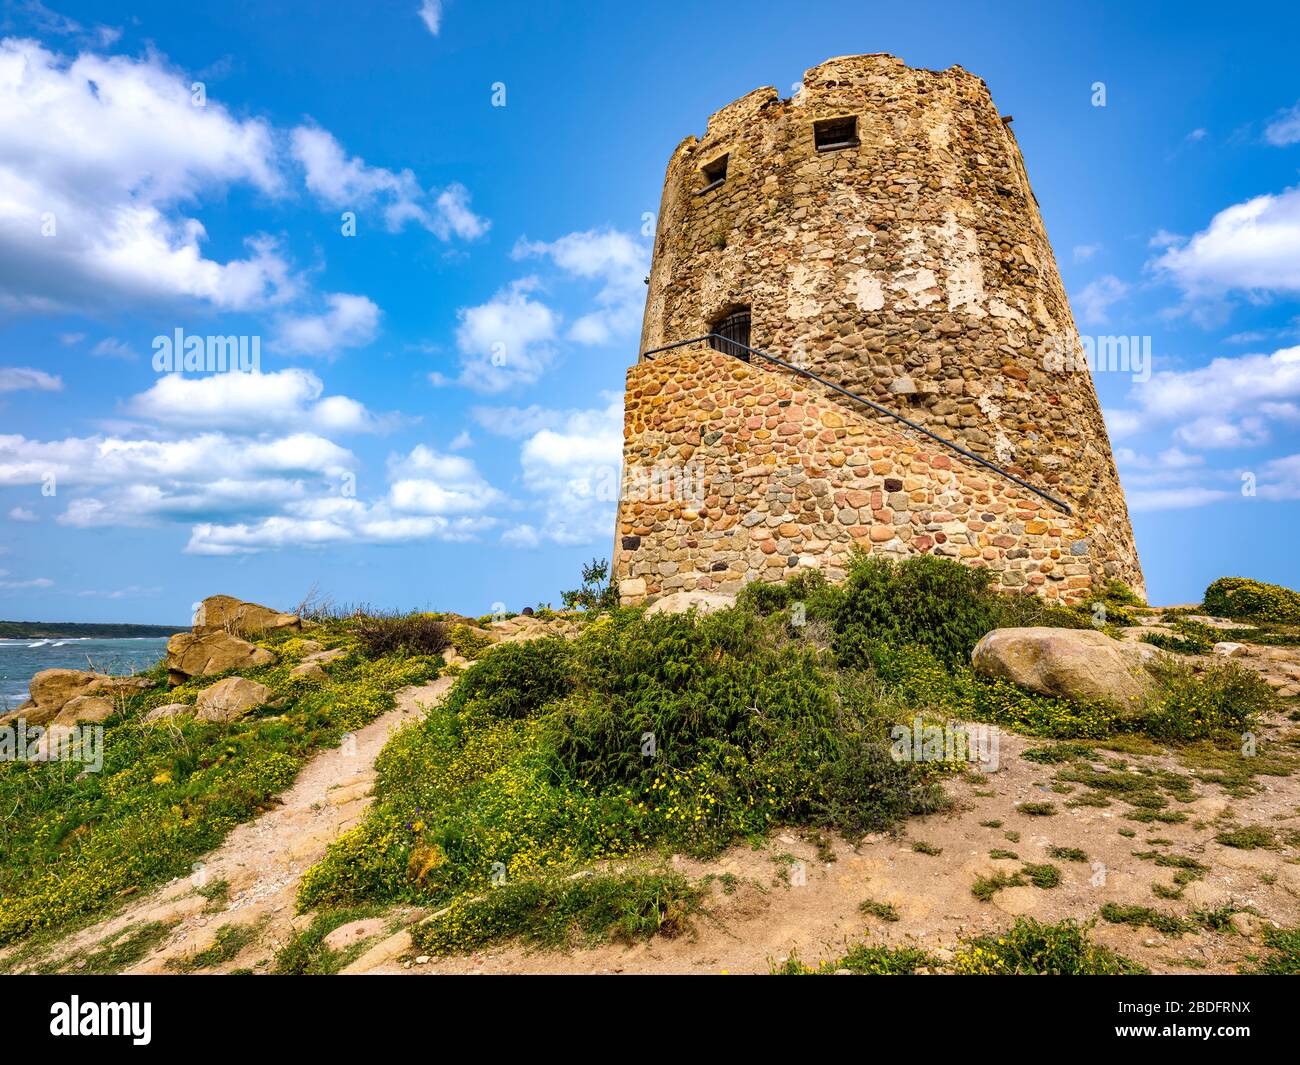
pixel 20 660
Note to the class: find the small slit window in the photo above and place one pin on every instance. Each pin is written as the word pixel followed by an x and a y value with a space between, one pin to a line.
pixel 731 334
pixel 715 173
pixel 834 133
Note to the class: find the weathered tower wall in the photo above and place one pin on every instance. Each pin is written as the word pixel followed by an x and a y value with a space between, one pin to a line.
pixel 911 266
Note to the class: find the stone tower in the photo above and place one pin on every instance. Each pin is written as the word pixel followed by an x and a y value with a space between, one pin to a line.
pixel 878 229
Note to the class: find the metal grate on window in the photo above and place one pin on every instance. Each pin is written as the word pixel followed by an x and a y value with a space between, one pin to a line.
pixel 833 133
pixel 732 332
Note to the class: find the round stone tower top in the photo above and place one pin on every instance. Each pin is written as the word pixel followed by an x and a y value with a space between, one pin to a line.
pixel 878 229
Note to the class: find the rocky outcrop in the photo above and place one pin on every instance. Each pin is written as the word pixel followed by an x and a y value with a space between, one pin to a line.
pixel 52 689
pixel 225 613
pixel 230 699
pixel 1079 664
pixel 202 654
pixel 84 710
pixel 682 602
pixel 527 627
pixel 313 666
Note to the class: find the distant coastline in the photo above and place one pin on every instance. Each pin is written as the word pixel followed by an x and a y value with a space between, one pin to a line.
pixel 72 630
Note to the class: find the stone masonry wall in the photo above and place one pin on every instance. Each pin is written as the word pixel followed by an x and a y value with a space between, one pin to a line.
pixel 912 267
pixel 734 473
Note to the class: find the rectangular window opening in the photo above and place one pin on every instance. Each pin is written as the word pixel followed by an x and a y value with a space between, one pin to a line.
pixel 832 134
pixel 715 173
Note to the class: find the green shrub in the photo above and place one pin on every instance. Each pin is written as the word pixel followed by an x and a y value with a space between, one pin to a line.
pixel 1240 597
pixel 821 599
pixel 1029 948
pixel 682 731
pixel 926 601
pixel 1223 698
pixel 516 679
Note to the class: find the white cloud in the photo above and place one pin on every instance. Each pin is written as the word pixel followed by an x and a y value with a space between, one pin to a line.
pixel 1098 296
pixel 525 536
pixel 462 441
pixel 349 183
pixel 38 582
pixel 1280 478
pixel 614 259
pixel 1250 387
pixel 430 13
pixel 252 402
pixel 322 523
pixel 506 341
pixel 112 348
pixel 350 322
pixel 97 155
pixel 1251 247
pixel 116 481
pixel 428 482
pixel 20 378
pixel 22 514
pixel 573 471
pixel 1285 128
pixel 1084 252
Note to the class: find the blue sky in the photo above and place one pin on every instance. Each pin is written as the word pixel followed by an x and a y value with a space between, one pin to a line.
pixel 437 417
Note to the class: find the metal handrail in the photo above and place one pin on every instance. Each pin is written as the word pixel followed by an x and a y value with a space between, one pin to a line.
pixel 873 405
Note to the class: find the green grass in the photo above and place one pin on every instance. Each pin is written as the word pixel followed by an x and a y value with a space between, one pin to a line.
pixel 863 960
pixel 883 910
pixel 560 912
pixel 73 845
pixel 307 953
pixel 226 945
pixel 1283 958
pixel 1067 854
pixel 1033 949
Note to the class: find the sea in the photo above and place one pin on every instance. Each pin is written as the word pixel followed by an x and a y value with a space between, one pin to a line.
pixel 20 660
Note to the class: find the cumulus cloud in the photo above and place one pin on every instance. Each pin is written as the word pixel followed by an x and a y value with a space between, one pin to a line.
pixel 98 154
pixel 253 402
pixel 350 322
pixel 1251 248
pixel 116 481
pixel 507 341
pixel 22 514
pixel 428 482
pixel 614 259
pixel 24 378
pixel 571 468
pixel 349 183
pixel 1098 297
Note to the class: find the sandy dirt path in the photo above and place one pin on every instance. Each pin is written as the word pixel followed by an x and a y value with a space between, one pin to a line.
pixel 262 860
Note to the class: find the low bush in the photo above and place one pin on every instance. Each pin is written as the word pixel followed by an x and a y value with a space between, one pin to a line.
pixel 1240 597
pixel 924 601
pixel 403 634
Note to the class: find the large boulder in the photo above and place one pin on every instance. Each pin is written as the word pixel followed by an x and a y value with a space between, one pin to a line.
pixel 52 689
pixel 1079 664
pixel 230 699
pixel 84 710
pixel 682 602
pixel 225 613
pixel 526 627
pixel 202 654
